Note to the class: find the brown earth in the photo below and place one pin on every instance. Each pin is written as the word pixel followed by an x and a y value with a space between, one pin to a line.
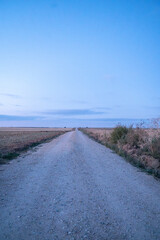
pixel 33 129
pixel 15 140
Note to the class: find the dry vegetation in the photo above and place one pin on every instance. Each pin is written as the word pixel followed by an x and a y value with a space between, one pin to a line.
pixel 15 140
pixel 139 145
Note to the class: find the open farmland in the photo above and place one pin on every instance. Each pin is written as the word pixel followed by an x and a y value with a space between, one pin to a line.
pixel 15 140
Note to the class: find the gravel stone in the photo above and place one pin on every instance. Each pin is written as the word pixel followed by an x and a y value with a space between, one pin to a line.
pixel 75 188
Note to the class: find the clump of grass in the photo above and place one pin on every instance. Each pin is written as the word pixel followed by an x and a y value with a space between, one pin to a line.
pixel 136 137
pixel 118 133
pixel 154 148
pixel 135 145
pixel 10 156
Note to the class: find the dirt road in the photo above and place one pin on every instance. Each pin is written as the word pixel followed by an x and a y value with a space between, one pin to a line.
pixel 75 188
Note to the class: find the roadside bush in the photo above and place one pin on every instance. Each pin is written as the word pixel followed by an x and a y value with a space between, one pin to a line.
pixel 136 137
pixel 118 133
pixel 138 145
pixel 154 148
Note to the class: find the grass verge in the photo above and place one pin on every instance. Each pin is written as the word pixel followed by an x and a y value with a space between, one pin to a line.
pixel 136 145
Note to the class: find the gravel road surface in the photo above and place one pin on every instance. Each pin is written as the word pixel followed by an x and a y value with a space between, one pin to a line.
pixel 75 188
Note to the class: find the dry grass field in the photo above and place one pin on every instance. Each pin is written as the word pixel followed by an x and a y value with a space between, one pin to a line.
pixel 103 134
pixel 99 134
pixel 35 129
pixel 139 145
pixel 15 140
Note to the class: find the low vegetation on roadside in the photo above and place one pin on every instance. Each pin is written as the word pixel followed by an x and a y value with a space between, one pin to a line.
pixel 139 145
pixel 13 142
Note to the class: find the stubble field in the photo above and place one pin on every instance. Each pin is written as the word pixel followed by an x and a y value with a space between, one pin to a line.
pixel 15 140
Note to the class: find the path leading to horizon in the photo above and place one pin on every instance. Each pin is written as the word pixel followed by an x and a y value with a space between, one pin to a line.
pixel 75 188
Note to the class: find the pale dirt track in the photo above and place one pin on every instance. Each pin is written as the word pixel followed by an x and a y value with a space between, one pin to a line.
pixel 75 188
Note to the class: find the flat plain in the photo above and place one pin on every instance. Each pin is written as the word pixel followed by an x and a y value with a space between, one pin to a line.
pixel 15 140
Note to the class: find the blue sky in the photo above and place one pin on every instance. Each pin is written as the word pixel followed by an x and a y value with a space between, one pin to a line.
pixel 66 62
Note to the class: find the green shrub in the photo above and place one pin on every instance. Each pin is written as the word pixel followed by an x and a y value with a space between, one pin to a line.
pixel 118 133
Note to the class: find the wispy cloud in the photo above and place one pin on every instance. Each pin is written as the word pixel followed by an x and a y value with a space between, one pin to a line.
pixel 152 107
pixel 10 95
pixel 79 101
pixel 103 108
pixel 17 118
pixel 17 105
pixel 74 112
pixel 45 98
